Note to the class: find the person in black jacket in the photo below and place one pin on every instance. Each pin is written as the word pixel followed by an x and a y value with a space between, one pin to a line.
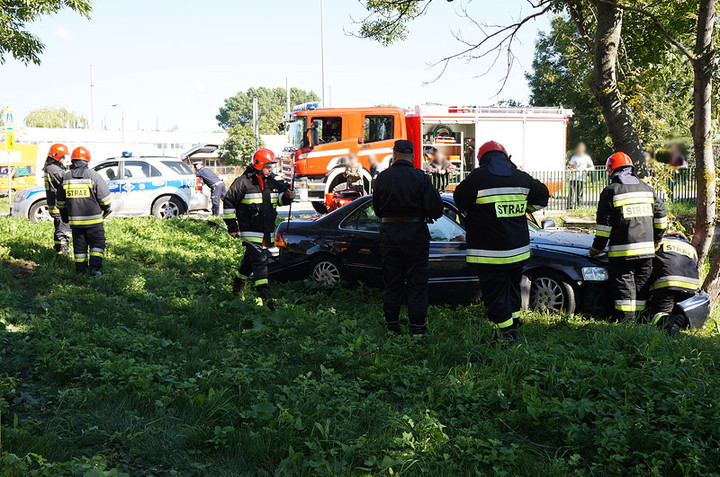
pixel 84 201
pixel 632 219
pixel 496 196
pixel 249 212
pixel 404 198
pixel 675 278
pixel 54 170
pixel 216 185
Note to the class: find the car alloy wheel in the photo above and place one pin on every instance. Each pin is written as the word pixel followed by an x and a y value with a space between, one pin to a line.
pixel 326 273
pixel 169 210
pixel 546 294
pixel 42 213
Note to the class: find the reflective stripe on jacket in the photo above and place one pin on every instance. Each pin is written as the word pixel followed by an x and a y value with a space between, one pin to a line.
pixel 631 218
pixel 83 196
pixel 496 197
pixel 249 206
pixel 675 266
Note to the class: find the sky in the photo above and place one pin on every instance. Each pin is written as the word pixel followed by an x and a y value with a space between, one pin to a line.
pixel 173 62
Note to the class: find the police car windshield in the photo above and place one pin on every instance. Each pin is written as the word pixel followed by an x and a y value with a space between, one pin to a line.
pixel 178 167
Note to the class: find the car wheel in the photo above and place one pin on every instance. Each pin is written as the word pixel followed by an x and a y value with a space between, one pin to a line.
pixel 319 207
pixel 326 270
pixel 551 292
pixel 168 208
pixel 39 212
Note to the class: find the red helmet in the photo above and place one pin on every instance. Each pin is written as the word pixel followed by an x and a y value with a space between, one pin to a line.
pixel 80 153
pixel 58 151
pixel 491 146
pixel 263 157
pixel 618 159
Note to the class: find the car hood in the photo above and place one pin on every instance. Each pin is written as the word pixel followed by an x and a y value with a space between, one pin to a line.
pixel 564 241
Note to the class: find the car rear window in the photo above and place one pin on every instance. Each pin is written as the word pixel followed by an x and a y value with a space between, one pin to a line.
pixel 178 167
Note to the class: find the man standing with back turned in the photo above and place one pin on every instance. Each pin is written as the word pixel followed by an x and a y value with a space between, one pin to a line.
pixel 404 198
pixel 54 169
pixel 496 196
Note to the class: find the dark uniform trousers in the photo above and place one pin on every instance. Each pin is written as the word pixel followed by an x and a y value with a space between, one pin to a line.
pixel 61 236
pixel 216 196
pixel 405 275
pixel 663 302
pixel 88 242
pixel 254 264
pixel 630 280
pixel 500 290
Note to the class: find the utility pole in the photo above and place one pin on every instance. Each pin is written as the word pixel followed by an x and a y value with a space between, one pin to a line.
pixel 322 47
pixel 256 125
pixel 287 93
pixel 92 99
pixel 122 121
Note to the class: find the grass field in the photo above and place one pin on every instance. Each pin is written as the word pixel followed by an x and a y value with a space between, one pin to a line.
pixel 155 369
pixel 4 205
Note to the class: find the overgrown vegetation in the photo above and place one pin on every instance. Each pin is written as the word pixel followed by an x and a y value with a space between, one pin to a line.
pixel 154 369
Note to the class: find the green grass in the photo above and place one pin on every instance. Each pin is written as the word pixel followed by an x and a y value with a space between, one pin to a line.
pixel 4 205
pixel 154 369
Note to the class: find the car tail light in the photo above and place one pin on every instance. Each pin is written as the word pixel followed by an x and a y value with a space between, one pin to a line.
pixel 280 240
pixel 198 183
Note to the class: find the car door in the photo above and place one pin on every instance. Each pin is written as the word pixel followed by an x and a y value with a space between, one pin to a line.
pixel 142 179
pixel 110 172
pixel 451 278
pixel 360 244
pixel 378 139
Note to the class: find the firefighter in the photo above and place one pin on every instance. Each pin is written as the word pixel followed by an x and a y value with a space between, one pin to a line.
pixel 496 196
pixel 84 202
pixel 404 198
pixel 54 169
pixel 632 219
pixel 249 212
pixel 216 185
pixel 675 278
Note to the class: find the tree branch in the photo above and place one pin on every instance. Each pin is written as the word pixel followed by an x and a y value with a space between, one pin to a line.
pixel 658 25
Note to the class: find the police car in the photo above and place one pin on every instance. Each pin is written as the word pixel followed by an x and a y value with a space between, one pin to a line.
pixel 163 187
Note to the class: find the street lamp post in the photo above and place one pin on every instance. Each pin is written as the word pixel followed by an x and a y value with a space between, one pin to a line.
pixel 322 49
pixel 122 121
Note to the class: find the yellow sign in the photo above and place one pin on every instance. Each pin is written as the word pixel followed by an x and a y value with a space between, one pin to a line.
pixel 10 141
pixel 9 131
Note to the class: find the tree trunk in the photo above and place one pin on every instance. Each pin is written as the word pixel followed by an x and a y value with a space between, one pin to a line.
pixel 604 84
pixel 712 281
pixel 703 66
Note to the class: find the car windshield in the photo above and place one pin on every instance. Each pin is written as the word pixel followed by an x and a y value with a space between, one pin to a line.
pixel 178 167
pixel 296 133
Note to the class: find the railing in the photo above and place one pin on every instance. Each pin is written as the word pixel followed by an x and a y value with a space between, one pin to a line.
pixel 569 190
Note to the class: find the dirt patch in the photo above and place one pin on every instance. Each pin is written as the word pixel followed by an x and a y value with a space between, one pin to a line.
pixel 20 268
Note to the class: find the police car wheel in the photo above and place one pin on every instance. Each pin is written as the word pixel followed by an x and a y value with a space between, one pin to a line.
pixel 168 208
pixel 39 212
pixel 326 271
pixel 550 292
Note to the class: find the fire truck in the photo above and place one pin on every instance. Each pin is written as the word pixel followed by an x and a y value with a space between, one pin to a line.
pixel 322 139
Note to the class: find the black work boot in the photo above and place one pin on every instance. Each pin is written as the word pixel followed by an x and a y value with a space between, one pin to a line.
pixel 507 336
pixel 677 323
pixel 393 327
pixel 94 272
pixel 271 304
pixel 239 286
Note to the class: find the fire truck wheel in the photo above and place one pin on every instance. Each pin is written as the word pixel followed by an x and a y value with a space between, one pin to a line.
pixel 319 207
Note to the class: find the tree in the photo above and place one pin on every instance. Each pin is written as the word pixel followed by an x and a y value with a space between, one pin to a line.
pixel 599 24
pixel 238 109
pixel 15 15
pixel 49 117
pixel 239 147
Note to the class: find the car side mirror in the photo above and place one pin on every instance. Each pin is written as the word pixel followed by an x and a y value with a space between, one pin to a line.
pixel 361 140
pixel 547 224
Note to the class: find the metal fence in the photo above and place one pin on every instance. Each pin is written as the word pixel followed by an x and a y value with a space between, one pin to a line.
pixel 570 190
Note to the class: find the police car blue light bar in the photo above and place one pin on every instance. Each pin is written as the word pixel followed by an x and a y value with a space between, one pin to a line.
pixel 306 106
pixel 127 154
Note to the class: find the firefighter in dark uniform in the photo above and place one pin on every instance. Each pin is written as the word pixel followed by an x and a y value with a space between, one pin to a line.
pixel 216 185
pixel 675 278
pixel 84 202
pixel 249 212
pixel 54 170
pixel 404 198
pixel 496 196
pixel 632 219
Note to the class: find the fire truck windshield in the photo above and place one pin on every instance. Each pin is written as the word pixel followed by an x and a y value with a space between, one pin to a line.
pixel 296 132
